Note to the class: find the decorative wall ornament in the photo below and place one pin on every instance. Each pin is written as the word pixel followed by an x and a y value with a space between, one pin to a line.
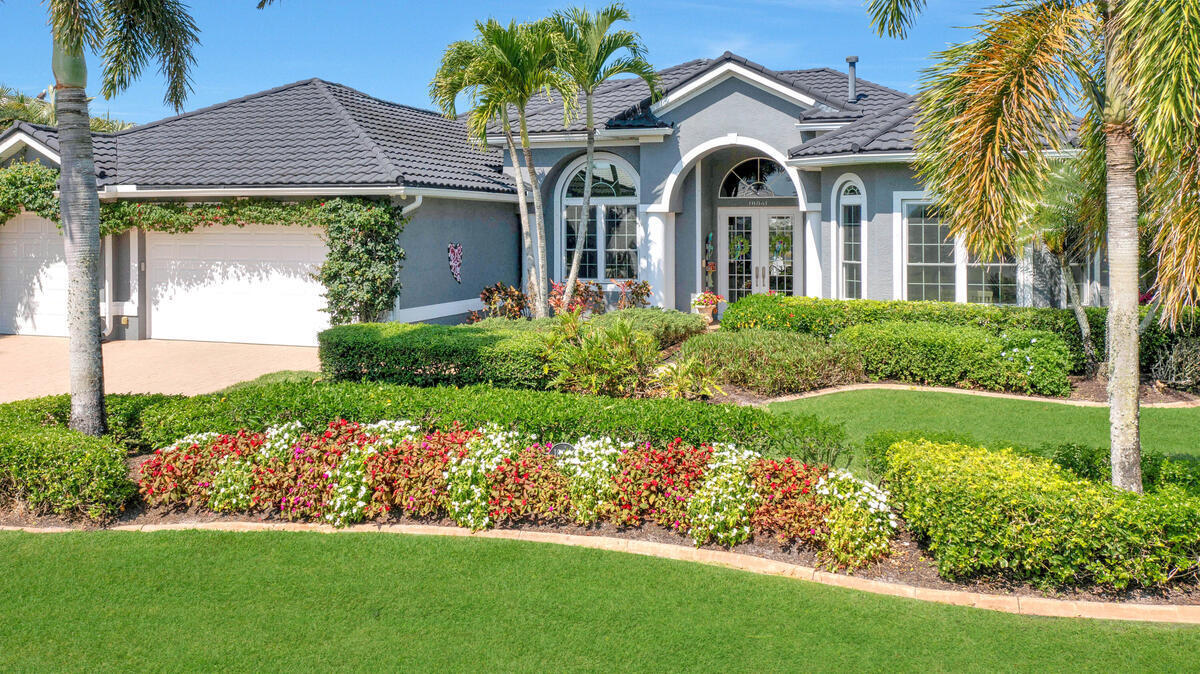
pixel 454 253
pixel 710 264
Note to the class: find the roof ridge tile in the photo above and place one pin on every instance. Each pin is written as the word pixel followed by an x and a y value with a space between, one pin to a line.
pixel 368 142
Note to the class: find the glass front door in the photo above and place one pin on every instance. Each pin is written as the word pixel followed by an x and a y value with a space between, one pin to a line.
pixel 757 251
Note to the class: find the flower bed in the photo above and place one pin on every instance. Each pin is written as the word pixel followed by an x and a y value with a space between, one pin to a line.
pixel 481 478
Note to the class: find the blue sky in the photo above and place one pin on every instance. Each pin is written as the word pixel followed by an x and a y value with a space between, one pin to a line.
pixel 390 49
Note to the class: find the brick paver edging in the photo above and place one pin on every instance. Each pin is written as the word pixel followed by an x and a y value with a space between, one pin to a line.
pixel 1009 604
pixel 969 392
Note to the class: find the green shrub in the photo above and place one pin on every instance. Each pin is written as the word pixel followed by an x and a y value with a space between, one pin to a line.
pixel 1095 464
pixel 56 470
pixel 515 324
pixel 668 327
pixel 432 355
pixel 995 512
pixel 827 317
pixel 875 445
pixel 772 362
pixel 611 360
pixel 549 415
pixel 958 355
pixel 124 414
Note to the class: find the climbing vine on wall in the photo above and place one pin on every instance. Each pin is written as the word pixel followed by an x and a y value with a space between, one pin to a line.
pixel 360 272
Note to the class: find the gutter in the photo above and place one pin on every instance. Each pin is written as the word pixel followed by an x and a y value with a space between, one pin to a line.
pixel 116 192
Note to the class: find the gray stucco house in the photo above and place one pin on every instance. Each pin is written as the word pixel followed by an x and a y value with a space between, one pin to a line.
pixel 738 179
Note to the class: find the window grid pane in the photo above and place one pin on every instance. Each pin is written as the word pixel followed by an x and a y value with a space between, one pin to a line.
pixel 992 283
pixel 740 271
pixel 852 251
pixel 588 266
pixel 930 255
pixel 781 244
pixel 620 242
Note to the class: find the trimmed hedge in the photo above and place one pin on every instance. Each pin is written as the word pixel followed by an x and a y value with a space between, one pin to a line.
pixel 987 512
pixel 548 415
pixel 827 317
pixel 668 327
pixel 1028 361
pixel 56 470
pixel 124 414
pixel 772 362
pixel 432 355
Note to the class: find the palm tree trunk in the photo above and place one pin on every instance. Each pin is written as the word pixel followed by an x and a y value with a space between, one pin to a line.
pixel 523 205
pixel 1124 381
pixel 1124 374
pixel 81 240
pixel 542 307
pixel 586 220
pixel 1085 328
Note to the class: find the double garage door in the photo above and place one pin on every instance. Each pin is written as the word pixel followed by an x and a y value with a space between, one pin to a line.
pixel 226 284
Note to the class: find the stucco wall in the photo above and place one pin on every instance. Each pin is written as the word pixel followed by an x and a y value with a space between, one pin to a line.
pixel 490 237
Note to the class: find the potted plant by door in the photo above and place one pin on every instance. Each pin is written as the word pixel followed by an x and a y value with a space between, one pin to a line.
pixel 706 304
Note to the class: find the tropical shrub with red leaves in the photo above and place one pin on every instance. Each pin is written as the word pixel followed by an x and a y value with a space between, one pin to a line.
pixel 654 484
pixel 788 506
pixel 528 486
pixel 410 476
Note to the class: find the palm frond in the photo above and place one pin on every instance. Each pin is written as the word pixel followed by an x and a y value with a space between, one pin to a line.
pixel 136 31
pixel 991 109
pixel 894 17
pixel 75 24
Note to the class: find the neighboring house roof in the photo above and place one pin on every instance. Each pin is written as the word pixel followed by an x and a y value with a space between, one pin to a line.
pixel 625 102
pixel 310 133
pixel 889 130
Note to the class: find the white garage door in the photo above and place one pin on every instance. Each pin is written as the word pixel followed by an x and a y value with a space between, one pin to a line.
pixel 227 284
pixel 33 277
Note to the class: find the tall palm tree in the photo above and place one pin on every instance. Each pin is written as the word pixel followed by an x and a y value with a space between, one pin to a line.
pixel 992 106
pixel 18 107
pixel 591 54
pixel 521 63
pixel 127 35
pixel 467 67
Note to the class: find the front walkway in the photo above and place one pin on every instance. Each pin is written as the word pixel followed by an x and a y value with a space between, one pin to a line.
pixel 37 366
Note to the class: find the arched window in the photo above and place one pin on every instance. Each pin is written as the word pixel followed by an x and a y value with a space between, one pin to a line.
pixel 757 178
pixel 850 241
pixel 610 243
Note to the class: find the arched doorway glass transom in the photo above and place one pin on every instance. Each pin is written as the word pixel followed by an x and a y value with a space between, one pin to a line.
pixel 757 239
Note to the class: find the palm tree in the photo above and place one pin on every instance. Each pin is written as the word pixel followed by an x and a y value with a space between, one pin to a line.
pixel 18 107
pixel 127 35
pixel 467 68
pixel 589 56
pixel 524 57
pixel 991 107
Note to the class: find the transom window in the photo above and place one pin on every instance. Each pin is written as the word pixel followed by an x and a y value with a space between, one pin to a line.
pixel 610 241
pixel 936 263
pixel 757 178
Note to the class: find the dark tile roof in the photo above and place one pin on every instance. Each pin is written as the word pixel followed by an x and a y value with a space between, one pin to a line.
pixel 625 103
pixel 309 133
pixel 887 130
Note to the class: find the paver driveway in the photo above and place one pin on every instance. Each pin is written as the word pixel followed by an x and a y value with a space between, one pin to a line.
pixel 37 366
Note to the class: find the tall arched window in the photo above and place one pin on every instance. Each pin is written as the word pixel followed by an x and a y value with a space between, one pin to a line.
pixel 757 178
pixel 850 241
pixel 610 242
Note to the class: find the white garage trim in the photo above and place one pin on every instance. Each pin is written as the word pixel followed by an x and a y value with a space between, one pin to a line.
pixel 431 311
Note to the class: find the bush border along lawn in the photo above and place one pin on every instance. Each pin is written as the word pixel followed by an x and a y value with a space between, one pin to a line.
pixel 827 317
pixel 197 600
pixel 773 362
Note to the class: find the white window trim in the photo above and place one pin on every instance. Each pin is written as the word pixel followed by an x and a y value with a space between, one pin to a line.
pixel 836 241
pixel 560 218
pixel 900 201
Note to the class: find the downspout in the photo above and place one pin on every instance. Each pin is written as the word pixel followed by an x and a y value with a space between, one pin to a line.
pixel 110 325
pixel 413 206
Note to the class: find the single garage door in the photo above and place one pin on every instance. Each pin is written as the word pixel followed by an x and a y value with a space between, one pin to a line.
pixel 33 277
pixel 227 284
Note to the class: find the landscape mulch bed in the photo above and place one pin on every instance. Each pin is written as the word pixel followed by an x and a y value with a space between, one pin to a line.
pixel 908 564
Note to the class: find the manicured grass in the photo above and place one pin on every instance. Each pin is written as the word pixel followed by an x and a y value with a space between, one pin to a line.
pixel 300 602
pixel 1171 431
pixel 280 377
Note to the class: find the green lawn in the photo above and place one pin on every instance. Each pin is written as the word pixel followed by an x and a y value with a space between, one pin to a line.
pixel 1029 423
pixel 297 601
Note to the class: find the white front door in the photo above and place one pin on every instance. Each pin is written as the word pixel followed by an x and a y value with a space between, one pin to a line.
pixel 757 251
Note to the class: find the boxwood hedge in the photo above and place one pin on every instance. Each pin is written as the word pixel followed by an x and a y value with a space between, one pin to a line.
pixel 548 415
pixel 433 355
pixel 826 317
pixel 56 470
pixel 996 512
pixel 1027 361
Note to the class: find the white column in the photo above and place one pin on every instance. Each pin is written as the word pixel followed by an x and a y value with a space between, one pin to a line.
pixel 656 255
pixel 812 253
